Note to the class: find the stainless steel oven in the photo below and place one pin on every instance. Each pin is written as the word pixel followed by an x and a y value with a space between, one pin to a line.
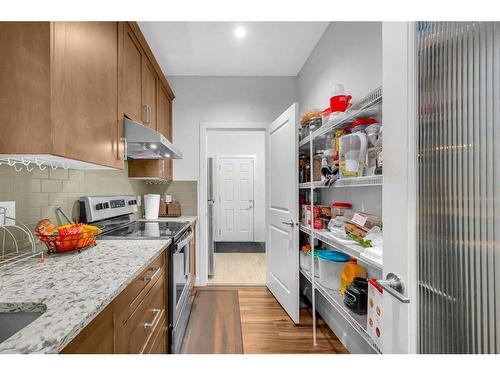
pixel 180 286
pixel 115 215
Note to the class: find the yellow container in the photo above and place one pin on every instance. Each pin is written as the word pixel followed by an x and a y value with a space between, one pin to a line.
pixel 350 271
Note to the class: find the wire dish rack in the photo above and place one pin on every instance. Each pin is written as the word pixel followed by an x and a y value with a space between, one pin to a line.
pixel 12 231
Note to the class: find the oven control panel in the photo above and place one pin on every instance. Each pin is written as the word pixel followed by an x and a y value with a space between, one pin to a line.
pixel 101 208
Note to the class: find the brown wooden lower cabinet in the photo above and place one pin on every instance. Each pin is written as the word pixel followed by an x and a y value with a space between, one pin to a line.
pixel 96 338
pixel 134 322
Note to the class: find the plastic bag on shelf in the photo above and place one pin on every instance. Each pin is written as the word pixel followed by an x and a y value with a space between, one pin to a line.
pixel 375 237
pixel 375 252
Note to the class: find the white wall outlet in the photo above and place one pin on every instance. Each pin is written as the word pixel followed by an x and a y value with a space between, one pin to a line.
pixel 139 201
pixel 10 211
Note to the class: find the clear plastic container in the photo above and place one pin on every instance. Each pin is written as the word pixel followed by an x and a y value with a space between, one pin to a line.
pixel 352 154
pixel 305 263
pixel 329 273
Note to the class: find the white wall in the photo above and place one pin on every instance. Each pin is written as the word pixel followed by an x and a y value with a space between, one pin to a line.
pixel 348 53
pixel 222 99
pixel 245 142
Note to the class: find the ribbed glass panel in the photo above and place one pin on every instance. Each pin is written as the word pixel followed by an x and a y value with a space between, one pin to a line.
pixel 458 67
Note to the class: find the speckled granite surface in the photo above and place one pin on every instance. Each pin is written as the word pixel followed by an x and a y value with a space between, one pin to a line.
pixel 74 289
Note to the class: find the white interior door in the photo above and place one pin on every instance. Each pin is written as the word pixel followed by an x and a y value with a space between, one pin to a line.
pixel 282 254
pixel 235 182
pixel 399 322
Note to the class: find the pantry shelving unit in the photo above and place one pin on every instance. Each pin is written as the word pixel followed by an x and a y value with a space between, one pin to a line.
pixel 353 250
pixel 345 182
pixel 331 300
pixel 335 300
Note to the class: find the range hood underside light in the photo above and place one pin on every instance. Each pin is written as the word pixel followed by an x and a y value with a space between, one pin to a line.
pixel 146 143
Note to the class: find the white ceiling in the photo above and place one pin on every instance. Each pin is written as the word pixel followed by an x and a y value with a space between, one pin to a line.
pixel 211 48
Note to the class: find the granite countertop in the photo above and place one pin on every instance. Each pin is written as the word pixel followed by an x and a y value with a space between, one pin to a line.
pixel 191 219
pixel 72 289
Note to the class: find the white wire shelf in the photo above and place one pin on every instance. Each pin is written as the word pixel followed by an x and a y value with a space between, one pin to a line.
pixel 363 108
pixel 353 250
pixel 345 182
pixel 336 300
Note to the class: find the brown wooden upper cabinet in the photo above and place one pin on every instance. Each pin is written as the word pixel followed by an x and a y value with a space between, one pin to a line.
pixel 59 92
pixel 146 98
pixel 131 61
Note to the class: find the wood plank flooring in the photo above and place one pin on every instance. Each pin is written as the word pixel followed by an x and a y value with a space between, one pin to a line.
pixel 267 329
pixel 214 325
pixel 238 268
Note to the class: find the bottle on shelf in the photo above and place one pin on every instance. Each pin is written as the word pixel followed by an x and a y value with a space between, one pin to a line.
pixel 349 273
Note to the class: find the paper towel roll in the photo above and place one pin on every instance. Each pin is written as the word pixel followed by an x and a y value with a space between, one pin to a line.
pixel 151 206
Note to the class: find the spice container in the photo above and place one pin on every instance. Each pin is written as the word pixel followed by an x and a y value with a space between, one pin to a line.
pixel 314 123
pixel 303 168
pixel 317 165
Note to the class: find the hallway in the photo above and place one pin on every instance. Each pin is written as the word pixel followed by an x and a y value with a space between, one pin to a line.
pixel 264 328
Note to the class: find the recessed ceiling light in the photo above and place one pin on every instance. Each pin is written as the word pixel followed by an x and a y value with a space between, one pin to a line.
pixel 152 146
pixel 166 154
pixel 240 32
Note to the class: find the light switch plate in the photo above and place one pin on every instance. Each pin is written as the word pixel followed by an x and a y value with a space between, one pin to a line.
pixel 10 212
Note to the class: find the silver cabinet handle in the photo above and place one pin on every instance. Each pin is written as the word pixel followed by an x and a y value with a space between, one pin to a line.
pixel 291 223
pixel 151 277
pixel 394 286
pixel 150 325
pixel 145 106
pixel 149 114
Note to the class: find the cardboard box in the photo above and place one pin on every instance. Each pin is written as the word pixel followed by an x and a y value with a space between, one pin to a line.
pixel 374 312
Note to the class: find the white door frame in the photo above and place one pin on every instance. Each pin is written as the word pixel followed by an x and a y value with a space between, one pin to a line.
pixel 400 182
pixel 217 190
pixel 201 245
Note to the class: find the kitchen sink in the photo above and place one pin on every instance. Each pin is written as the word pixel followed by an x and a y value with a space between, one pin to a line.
pixel 15 316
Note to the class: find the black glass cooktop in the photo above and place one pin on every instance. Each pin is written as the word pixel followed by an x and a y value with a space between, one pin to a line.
pixel 147 230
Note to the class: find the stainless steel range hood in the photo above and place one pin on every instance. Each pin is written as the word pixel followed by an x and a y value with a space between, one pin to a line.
pixel 145 143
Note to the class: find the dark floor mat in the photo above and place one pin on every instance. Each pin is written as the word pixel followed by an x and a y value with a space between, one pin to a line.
pixel 214 325
pixel 240 247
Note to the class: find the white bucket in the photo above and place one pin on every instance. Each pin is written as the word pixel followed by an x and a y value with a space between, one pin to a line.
pixel 330 273
pixel 151 206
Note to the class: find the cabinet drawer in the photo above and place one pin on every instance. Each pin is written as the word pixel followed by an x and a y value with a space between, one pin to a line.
pixel 133 337
pixel 132 296
pixel 158 341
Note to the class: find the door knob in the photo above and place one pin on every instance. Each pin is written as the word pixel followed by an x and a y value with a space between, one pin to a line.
pixel 291 223
pixel 394 286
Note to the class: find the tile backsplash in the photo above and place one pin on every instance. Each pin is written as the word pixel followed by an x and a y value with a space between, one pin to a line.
pixel 38 193
pixel 186 192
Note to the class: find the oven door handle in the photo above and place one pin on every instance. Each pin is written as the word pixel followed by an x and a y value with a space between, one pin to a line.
pixel 187 239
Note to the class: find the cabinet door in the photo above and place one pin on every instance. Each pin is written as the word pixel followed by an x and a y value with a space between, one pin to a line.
pixel 149 92
pixel 164 113
pixel 96 338
pixel 85 91
pixel 165 125
pixel 131 76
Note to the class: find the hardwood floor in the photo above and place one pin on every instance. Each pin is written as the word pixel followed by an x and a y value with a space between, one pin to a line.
pixel 239 268
pixel 267 329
